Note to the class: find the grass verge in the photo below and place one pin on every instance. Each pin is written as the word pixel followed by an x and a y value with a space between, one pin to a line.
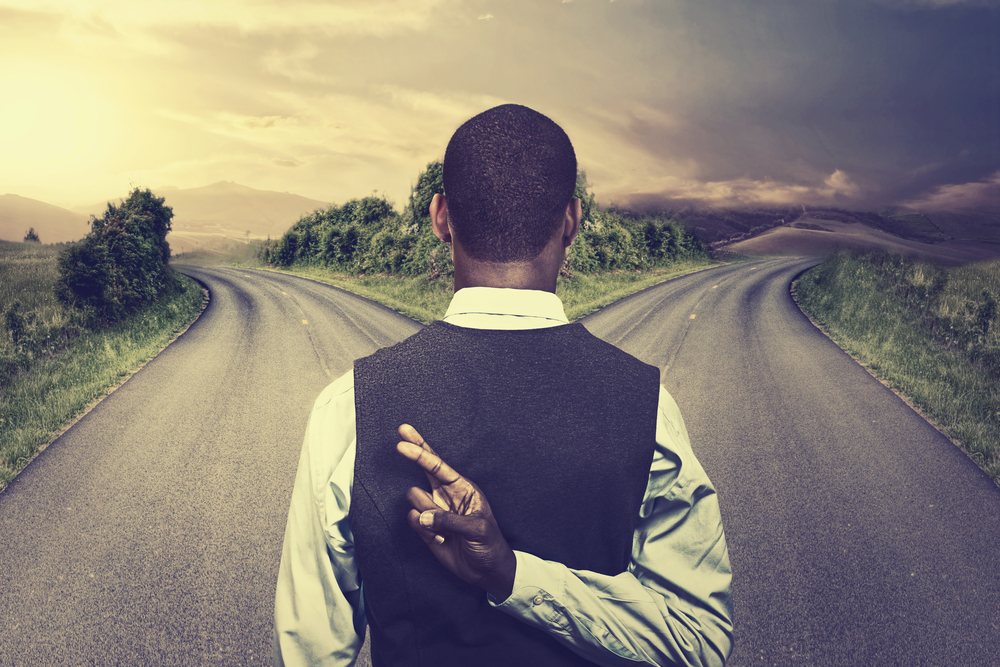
pixel 427 300
pixel 38 403
pixel 930 334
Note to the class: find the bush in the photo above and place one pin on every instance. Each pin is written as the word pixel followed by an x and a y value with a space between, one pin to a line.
pixel 122 263
pixel 368 236
pixel 31 236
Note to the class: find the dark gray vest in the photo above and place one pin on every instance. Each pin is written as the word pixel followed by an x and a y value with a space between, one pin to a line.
pixel 555 426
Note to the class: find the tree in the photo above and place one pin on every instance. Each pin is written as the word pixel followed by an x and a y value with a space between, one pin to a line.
pixel 31 236
pixel 122 263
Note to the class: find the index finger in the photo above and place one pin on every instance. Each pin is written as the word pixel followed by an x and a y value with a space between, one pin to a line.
pixel 410 434
pixel 437 470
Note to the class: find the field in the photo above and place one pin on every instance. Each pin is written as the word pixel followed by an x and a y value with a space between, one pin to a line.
pixel 52 366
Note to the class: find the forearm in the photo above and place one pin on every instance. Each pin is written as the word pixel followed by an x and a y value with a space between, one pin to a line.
pixel 616 620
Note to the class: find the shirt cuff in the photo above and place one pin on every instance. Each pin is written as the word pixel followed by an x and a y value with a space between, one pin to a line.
pixel 533 598
pixel 539 598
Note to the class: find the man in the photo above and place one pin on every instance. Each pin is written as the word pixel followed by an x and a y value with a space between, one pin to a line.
pixel 503 488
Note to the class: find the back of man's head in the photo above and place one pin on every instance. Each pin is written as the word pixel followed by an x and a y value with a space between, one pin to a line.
pixel 508 175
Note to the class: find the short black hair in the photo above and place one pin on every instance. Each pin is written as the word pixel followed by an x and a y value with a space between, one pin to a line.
pixel 509 173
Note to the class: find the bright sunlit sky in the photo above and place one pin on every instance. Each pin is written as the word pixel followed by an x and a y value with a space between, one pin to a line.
pixel 845 102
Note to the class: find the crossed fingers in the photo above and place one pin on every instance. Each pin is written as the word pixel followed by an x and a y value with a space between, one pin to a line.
pixel 414 447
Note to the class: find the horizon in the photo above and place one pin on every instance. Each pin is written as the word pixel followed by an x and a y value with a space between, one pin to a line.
pixel 637 206
pixel 853 104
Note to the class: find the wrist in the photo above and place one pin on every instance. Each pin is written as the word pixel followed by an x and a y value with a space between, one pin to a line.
pixel 501 584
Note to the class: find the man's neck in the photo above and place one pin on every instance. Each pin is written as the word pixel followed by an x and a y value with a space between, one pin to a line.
pixel 514 275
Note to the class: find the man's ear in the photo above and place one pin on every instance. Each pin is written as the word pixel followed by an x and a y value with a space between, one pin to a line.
pixel 571 222
pixel 439 218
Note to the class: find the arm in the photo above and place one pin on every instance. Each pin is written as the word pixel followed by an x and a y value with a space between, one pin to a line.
pixel 318 584
pixel 673 606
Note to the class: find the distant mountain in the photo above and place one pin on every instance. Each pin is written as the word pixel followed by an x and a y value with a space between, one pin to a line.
pixel 213 214
pixel 822 234
pixel 52 223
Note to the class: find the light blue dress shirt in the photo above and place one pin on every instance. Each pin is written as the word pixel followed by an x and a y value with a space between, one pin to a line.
pixel 672 607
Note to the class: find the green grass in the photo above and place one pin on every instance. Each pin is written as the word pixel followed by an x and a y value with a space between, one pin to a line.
pixel 27 274
pixel 419 298
pixel 58 368
pixel 931 334
pixel 427 300
pixel 584 294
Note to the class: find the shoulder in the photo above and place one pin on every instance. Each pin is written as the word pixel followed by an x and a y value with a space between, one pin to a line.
pixel 336 391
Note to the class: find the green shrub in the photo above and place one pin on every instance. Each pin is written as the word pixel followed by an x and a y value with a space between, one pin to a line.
pixel 122 263
pixel 367 235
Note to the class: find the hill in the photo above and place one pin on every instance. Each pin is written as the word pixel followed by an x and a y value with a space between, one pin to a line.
pixel 820 236
pixel 217 214
pixel 722 226
pixel 52 223
pixel 952 237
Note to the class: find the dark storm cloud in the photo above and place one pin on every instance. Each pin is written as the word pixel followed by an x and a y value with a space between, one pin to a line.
pixel 902 97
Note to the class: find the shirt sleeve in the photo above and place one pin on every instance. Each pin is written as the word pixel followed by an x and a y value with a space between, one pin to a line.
pixel 674 605
pixel 318 589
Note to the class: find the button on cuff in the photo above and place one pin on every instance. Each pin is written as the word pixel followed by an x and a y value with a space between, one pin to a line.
pixel 537 600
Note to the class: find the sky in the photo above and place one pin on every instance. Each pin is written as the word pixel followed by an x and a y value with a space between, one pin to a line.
pixel 850 103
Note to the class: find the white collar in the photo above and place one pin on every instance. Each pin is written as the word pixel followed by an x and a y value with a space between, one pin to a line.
pixel 505 308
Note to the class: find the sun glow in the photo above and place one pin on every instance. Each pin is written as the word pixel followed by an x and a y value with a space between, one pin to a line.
pixel 50 120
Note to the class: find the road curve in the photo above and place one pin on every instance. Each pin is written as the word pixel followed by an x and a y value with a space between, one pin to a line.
pixel 858 534
pixel 150 532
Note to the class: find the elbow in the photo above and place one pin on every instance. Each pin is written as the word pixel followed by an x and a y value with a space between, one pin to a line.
pixel 703 642
pixel 716 643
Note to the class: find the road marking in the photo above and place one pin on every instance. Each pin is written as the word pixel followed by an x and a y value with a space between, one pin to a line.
pixel 305 321
pixel 692 316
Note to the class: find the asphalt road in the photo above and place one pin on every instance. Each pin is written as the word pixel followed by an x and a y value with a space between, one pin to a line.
pixel 858 534
pixel 150 532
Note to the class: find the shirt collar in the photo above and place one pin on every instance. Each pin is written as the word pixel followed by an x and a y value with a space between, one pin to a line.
pixel 505 308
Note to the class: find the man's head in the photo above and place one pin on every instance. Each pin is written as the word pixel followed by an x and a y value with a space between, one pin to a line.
pixel 509 175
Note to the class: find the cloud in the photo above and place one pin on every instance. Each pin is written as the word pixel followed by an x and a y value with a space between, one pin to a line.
pixel 375 17
pixel 831 102
pixel 983 194
pixel 296 64
pixel 744 191
pixel 257 122
pixel 453 108
pixel 841 183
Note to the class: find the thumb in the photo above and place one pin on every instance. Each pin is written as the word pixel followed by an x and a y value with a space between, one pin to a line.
pixel 471 527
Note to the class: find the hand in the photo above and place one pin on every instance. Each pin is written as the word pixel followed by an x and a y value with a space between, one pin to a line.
pixel 456 522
